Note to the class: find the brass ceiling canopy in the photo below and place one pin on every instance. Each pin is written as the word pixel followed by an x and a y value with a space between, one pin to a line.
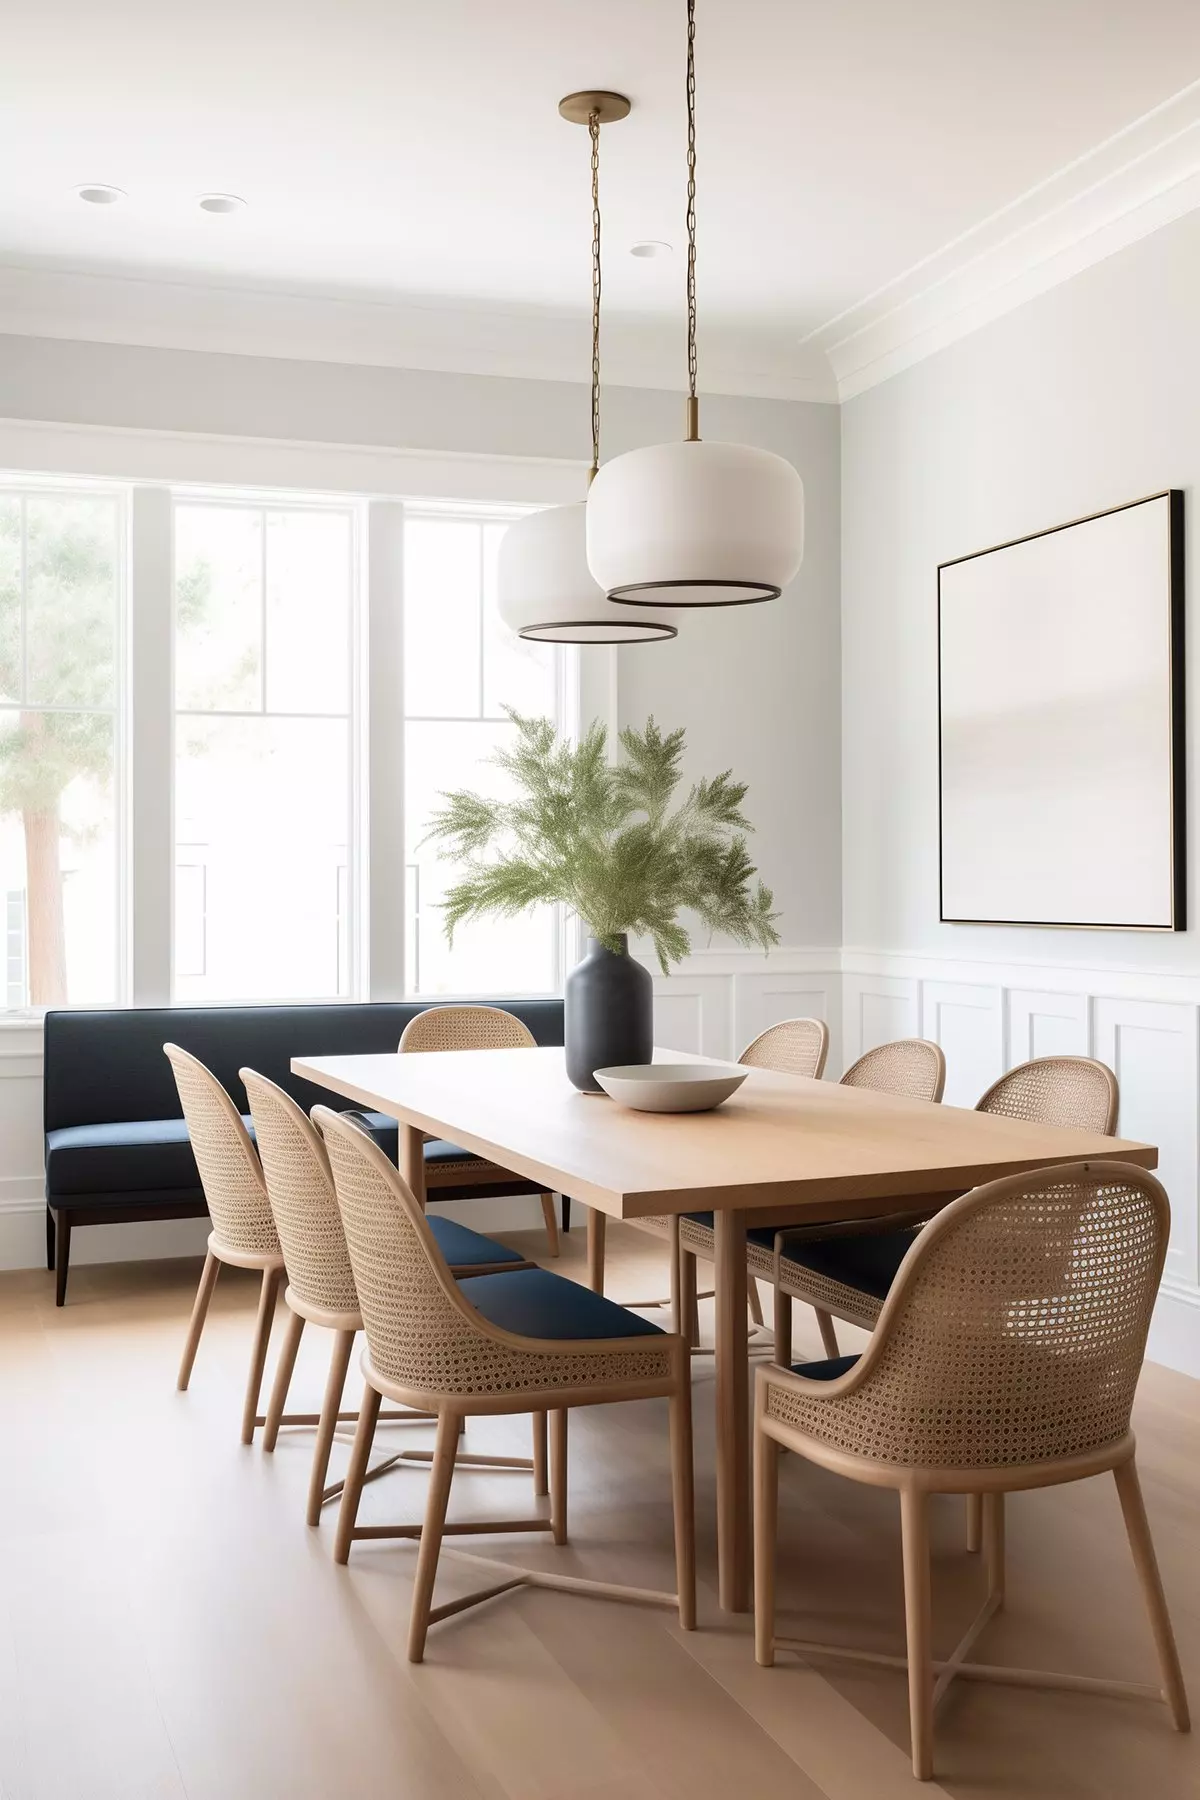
pixel 598 103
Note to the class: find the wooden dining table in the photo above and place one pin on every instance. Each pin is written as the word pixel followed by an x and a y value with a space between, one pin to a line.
pixel 782 1149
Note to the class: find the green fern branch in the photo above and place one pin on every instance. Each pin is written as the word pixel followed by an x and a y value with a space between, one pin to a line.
pixel 605 841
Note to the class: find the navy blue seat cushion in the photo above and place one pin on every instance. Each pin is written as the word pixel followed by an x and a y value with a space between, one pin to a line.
pixel 829 1370
pixel 386 1133
pixel 461 1246
pixel 534 1303
pixel 139 1156
pixel 868 1263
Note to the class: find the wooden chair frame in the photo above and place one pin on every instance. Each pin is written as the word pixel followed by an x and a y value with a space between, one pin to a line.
pixel 476 1027
pixel 698 1241
pixel 299 1186
pixel 930 1678
pixel 529 1376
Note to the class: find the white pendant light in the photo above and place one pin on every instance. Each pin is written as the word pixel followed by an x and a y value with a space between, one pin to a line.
pixel 545 590
pixel 692 523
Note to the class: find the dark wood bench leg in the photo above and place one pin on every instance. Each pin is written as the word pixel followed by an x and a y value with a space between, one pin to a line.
pixel 566 1211
pixel 62 1257
pixel 49 1236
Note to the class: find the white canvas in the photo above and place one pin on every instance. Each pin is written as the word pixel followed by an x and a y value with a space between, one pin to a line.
pixel 1056 742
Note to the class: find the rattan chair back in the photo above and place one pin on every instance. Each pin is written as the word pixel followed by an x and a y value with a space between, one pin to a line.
pixel 230 1172
pixel 421 1332
pixel 911 1067
pixel 1015 1330
pixel 1057 1090
pixel 466 1028
pixel 793 1047
pixel 304 1205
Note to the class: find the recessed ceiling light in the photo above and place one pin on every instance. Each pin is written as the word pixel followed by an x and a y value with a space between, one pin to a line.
pixel 98 193
pixel 650 247
pixel 220 203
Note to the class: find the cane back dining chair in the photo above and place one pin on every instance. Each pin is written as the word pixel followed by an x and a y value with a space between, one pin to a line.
pixel 844 1271
pixel 1005 1358
pixel 320 1288
pixel 450 1172
pixel 494 1344
pixel 243 1232
pixel 792 1047
pixel 912 1067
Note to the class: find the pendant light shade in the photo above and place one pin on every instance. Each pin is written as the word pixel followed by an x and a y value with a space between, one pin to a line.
pixel 546 592
pixel 690 523
pixel 695 524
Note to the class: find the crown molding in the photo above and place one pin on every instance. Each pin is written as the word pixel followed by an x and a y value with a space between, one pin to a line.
pixel 1141 178
pixel 447 337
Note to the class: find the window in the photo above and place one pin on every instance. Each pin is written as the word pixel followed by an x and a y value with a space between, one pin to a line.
pixel 461 667
pixel 62 688
pixel 265 751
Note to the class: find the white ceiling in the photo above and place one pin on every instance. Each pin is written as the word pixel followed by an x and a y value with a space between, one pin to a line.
pixel 408 154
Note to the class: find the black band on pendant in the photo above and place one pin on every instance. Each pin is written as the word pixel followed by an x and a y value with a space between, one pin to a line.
pixel 658 593
pixel 652 633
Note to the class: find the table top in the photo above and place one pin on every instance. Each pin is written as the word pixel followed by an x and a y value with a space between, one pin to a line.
pixel 780 1141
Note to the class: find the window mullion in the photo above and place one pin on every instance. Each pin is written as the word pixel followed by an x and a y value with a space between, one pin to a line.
pixel 385 749
pixel 151 746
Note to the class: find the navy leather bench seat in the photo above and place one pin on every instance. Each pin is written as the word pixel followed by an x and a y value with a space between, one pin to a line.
pixel 117 1147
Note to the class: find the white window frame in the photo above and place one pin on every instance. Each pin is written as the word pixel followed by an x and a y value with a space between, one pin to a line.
pixel 284 500
pixel 146 467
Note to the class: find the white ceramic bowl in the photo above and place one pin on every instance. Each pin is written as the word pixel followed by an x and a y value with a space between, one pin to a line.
pixel 670 1087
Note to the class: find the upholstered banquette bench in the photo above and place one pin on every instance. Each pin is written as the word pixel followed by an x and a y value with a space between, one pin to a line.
pixel 117 1147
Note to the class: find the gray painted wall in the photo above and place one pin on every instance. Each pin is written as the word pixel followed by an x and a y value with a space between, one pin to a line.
pixel 756 687
pixel 1085 397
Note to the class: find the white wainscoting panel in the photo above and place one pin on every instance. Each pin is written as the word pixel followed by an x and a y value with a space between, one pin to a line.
pixel 967 1020
pixel 875 1009
pixel 1046 1024
pixel 1151 1048
pixel 760 1001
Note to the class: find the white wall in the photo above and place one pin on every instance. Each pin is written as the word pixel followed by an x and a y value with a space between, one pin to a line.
pixel 1085 397
pixel 757 687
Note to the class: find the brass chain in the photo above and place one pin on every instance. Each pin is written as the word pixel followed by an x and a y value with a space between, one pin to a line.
pixel 594 133
pixel 691 198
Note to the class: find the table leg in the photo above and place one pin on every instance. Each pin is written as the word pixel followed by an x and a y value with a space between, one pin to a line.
pixel 596 1222
pixel 412 1161
pixel 733 1413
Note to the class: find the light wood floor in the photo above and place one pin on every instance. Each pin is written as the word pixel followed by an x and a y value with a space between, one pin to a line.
pixel 169 1627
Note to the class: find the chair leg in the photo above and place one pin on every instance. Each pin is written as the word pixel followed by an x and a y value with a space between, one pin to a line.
pixel 783 1329
pixel 258 1355
pixel 689 1306
pixel 829 1341
pixel 974 1523
pixel 62 1257
pixel 566 1212
pixel 684 1499
pixel 293 1332
pixel 331 1405
pixel 1137 1527
pixel 558 1474
pixel 541 1480
pixel 364 1437
pixel 993 1544
pixel 766 1514
pixel 551 1223
pixel 754 1301
pixel 208 1281
pixel 914 1524
pixel 440 1476
pixel 596 1222
pixel 49 1237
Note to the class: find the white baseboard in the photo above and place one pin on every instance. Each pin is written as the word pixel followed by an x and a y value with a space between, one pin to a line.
pixel 1175 1331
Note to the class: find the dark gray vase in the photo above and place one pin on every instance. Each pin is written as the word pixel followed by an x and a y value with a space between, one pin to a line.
pixel 609 1014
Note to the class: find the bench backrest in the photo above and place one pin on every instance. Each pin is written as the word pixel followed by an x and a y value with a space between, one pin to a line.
pixel 108 1067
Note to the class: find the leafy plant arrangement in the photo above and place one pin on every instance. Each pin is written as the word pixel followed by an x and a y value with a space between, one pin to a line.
pixel 606 841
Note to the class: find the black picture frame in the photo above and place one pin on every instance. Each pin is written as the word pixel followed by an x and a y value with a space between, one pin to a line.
pixel 1176 701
